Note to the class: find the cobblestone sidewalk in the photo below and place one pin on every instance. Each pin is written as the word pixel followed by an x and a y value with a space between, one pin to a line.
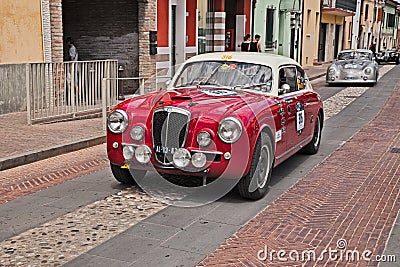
pixel 353 211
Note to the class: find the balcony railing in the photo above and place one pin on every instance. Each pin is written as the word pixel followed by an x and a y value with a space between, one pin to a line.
pixel 349 5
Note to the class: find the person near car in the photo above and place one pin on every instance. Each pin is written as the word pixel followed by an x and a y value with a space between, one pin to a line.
pixel 73 56
pixel 372 47
pixel 255 45
pixel 245 45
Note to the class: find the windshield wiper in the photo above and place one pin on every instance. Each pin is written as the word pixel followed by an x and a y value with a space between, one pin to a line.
pixel 206 82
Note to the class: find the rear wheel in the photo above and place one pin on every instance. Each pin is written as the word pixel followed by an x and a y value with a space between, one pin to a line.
pixel 254 185
pixel 313 146
pixel 126 176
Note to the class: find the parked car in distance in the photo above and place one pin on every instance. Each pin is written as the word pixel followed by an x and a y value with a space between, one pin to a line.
pixel 386 56
pixel 353 66
pixel 217 107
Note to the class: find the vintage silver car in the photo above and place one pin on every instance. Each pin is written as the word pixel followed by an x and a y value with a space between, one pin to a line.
pixel 353 66
pixel 386 56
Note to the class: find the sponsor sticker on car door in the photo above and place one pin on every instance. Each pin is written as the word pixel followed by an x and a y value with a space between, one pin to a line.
pixel 299 117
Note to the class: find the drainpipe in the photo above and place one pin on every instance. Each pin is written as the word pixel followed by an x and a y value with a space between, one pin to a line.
pixel 302 33
pixel 253 9
pixel 356 26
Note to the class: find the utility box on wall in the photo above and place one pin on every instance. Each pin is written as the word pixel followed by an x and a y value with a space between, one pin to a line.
pixel 153 42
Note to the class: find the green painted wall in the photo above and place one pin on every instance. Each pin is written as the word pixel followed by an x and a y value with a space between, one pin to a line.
pixel 282 25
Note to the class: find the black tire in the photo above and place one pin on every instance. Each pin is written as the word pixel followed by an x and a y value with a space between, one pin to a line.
pixel 126 176
pixel 254 185
pixel 313 147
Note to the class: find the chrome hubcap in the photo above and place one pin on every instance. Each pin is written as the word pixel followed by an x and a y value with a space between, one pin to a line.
pixel 317 132
pixel 263 167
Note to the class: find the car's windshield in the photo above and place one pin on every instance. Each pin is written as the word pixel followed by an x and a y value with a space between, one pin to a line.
pixel 354 55
pixel 226 74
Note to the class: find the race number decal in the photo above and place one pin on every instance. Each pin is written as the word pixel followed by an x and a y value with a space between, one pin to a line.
pixel 299 118
pixel 217 92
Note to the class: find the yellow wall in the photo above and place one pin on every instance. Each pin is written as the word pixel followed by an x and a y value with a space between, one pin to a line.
pixel 311 17
pixel 347 33
pixel 20 31
pixel 332 19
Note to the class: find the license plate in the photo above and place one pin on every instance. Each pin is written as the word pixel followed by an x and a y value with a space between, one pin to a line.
pixel 165 150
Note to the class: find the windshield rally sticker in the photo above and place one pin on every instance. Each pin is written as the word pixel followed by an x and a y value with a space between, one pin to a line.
pixel 219 92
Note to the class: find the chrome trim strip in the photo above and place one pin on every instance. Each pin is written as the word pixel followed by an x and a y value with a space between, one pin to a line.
pixel 207 152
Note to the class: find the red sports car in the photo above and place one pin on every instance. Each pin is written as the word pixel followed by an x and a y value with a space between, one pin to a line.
pixel 230 115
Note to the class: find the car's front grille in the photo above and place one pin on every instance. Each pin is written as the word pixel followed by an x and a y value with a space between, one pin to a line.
pixel 170 129
pixel 351 71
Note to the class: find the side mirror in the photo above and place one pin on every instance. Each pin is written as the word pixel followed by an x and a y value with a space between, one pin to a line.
pixel 168 82
pixel 285 88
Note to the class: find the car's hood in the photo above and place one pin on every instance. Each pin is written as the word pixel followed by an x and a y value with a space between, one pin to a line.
pixel 200 101
pixel 355 64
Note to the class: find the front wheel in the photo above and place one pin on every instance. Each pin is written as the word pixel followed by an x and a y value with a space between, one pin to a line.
pixel 254 185
pixel 313 147
pixel 126 176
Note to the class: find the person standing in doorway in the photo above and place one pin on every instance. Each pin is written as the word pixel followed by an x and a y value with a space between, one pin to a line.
pixel 73 56
pixel 72 51
pixel 372 47
pixel 245 46
pixel 255 45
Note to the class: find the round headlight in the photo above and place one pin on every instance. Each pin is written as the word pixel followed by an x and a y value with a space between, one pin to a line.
pixel 117 121
pixel 128 152
pixel 181 158
pixel 204 139
pixel 230 130
pixel 137 133
pixel 332 71
pixel 143 154
pixel 199 160
pixel 368 71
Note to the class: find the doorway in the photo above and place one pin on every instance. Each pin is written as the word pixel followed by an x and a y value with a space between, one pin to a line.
pixel 173 39
pixel 322 41
pixel 337 36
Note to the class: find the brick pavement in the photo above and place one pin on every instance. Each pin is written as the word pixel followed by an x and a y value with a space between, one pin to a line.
pixel 17 137
pixel 26 179
pixel 353 195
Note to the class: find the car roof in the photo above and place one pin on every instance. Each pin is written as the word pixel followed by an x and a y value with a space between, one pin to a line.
pixel 358 50
pixel 251 57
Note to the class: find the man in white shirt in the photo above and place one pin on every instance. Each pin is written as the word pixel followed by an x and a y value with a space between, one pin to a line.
pixel 73 56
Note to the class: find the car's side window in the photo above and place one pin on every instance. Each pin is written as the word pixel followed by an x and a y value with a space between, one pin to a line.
pixel 301 79
pixel 288 76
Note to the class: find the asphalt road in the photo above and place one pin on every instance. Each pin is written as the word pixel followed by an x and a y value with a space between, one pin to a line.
pixel 183 236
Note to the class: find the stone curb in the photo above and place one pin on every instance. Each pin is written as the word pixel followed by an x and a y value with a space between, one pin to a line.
pixel 316 76
pixel 33 156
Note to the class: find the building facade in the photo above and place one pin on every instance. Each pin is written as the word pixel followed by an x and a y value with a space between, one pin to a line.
pixel 368 18
pixel 311 23
pixel 21 31
pixel 389 25
pixel 35 31
pixel 186 28
pixel 332 33
pixel 150 37
pixel 279 24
